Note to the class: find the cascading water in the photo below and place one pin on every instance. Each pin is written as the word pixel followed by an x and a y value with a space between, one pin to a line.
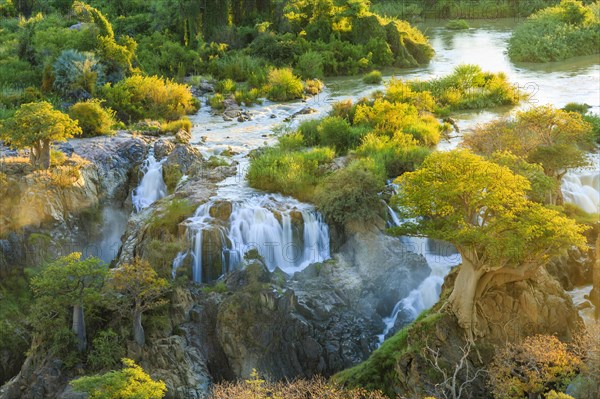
pixel 288 234
pixel 582 188
pixel 440 259
pixel 152 187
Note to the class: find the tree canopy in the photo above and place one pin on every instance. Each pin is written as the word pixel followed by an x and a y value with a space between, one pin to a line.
pixel 482 208
pixel 36 125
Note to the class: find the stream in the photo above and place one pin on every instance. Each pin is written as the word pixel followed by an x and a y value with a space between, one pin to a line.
pixel 266 221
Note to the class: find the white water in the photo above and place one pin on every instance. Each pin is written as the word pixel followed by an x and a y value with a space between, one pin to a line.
pixel 579 296
pixel 440 259
pixel 152 187
pixel 263 222
pixel 582 186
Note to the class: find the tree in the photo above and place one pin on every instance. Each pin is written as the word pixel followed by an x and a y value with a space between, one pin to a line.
pixel 132 382
pixel 139 289
pixel 551 137
pixel 532 367
pixel 482 208
pixel 37 125
pixel 72 282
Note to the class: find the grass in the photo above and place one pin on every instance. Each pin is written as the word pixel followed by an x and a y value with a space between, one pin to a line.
pixel 166 218
pixel 175 126
pixel 293 173
pixel 556 33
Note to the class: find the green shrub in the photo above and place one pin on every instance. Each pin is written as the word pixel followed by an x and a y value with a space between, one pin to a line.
pixel 76 75
pixel 140 97
pixel 344 109
pixel 468 87
pixel 290 173
pixel 92 118
pixel 291 141
pixel 225 86
pixel 395 155
pixel 248 97
pixel 283 85
pixel 309 129
pixel 389 118
pixel 106 351
pixel 337 133
pixel 278 49
pixel 457 24
pixel 350 194
pixel 175 126
pixel 216 101
pixel 372 78
pixel 161 56
pixel 239 68
pixel 381 53
pixel 556 33
pixel 168 216
pixel 172 175
pixel 310 65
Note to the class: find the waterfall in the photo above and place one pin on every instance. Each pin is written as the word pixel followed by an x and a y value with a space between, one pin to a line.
pixel 440 259
pixel 152 187
pixel 288 234
pixel 177 262
pixel 583 190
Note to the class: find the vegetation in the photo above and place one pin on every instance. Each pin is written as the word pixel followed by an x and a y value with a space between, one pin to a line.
pixel 93 119
pixel 283 85
pixel 69 282
pixel 354 201
pixel 36 126
pixel 556 33
pixel 532 367
pixel 555 139
pixel 482 209
pixel 468 87
pixel 127 383
pixel 457 24
pixel 372 78
pixel 149 97
pixel 316 388
pixel 139 289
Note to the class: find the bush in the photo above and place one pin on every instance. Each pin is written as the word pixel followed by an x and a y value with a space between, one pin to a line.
pixel 140 97
pixel 309 130
pixel 310 65
pixel 92 118
pixel 216 101
pixel 372 78
pixel 239 68
pixel 161 56
pixel 313 87
pixel 350 194
pixel 106 351
pixel 395 155
pixel 468 87
pixel 283 85
pixel 290 173
pixel 556 33
pixel 76 75
pixel 337 133
pixel 226 86
pixel 457 24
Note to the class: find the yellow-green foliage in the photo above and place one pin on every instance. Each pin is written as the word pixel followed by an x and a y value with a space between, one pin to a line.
pixel 457 24
pixel 283 85
pixel 468 87
pixel 171 175
pixel 396 155
pixel 388 118
pixel 139 97
pixel 93 119
pixel 216 101
pixel 289 172
pixel 313 86
pixel 555 33
pixel 372 78
pixel 175 126
pixel 130 382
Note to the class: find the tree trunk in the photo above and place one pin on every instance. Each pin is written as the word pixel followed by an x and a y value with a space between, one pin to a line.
pixel 79 327
pixel 464 297
pixel 34 154
pixel 138 329
pixel 45 154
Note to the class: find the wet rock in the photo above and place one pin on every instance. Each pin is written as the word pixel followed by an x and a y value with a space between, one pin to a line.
pixel 221 210
pixel 183 136
pixel 163 148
